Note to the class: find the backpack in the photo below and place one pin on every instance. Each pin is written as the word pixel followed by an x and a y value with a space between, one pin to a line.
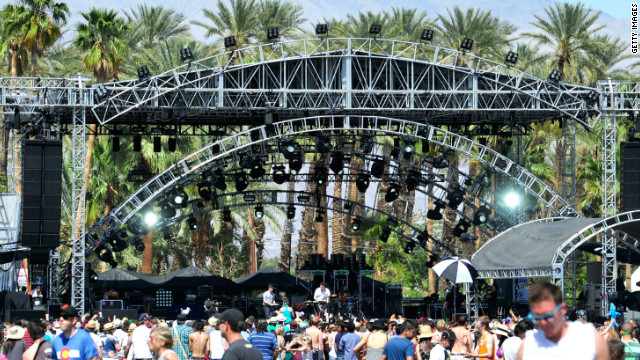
pixel 44 351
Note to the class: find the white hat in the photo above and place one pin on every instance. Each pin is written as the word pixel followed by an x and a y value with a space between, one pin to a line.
pixel 117 323
pixel 213 321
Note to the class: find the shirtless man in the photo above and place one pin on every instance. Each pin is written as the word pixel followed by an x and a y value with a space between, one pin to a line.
pixel 463 343
pixel 316 338
pixel 199 341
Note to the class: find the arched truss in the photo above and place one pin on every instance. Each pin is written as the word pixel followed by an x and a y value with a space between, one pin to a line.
pixel 227 151
pixel 350 76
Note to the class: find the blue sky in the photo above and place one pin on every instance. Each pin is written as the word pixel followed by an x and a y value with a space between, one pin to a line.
pixel 617 8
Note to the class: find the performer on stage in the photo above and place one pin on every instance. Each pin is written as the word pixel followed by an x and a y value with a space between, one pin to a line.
pixel 344 294
pixel 322 295
pixel 268 298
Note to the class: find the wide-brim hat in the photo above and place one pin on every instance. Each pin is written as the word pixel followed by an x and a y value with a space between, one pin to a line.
pixel 378 324
pixel 108 326
pixel 500 329
pixel 273 320
pixel 132 327
pixel 93 325
pixel 281 318
pixel 15 333
pixel 425 332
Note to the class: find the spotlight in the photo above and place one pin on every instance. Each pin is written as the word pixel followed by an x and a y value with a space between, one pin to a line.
pixel 220 184
pixel 466 237
pixel 440 162
pixel 375 29
pixel 157 144
pixel 435 214
pixel 166 210
pixel 337 163
pixel 511 58
pixel 226 214
pixel 455 198
pixel 588 211
pixel 512 199
pixel 466 44
pixel 139 245
pixel 377 168
pixel 167 234
pixel 366 144
pixel 295 165
pixel 180 197
pixel 291 212
pixel 531 211
pixel 273 33
pixel 392 193
pixel 322 29
pixel 136 226
pixel 468 181
pixel 116 144
pixel 288 148
pixel 433 259
pixel 257 171
pixel 241 181
pixel 137 143
pixel 319 217
pixel 279 174
pixel 104 254
pixel 321 175
pixel 426 35
pixel 392 222
pixel 355 224
pixel 193 224
pixel 323 144
pixel 592 96
pixel 204 190
pixel 413 179
pixel 143 73
pixel 494 223
pixel 408 148
pixel 259 211
pixel 151 219
pixel 246 161
pixel 186 54
pixel 384 237
pixel 230 41
pixel 409 247
pixel 172 144
pixel 481 216
pixel 423 239
pixel 556 75
pixel 461 227
pixel 101 92
pixel 119 244
pixel 362 182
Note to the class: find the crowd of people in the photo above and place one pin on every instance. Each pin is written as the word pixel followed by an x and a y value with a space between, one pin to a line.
pixel 544 334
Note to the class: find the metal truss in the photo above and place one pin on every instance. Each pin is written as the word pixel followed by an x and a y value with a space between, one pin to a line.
pixel 228 151
pixel 569 163
pixel 351 75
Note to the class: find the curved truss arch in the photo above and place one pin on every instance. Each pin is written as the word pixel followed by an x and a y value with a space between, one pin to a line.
pixel 208 84
pixel 193 164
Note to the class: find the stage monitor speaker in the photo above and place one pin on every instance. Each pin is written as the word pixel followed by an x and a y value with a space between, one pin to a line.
pixel 629 176
pixel 41 193
pixel 26 314
pixel 53 309
pixel 110 305
pixel 131 314
pixel 505 292
pixel 393 299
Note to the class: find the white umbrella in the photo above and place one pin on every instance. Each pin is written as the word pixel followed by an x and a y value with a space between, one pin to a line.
pixel 455 269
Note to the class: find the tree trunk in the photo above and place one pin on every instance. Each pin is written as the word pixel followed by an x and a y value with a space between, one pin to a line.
pixel 308 236
pixel 147 254
pixel 201 237
pixel 4 158
pixel 15 61
pixel 322 228
pixel 261 229
pixel 34 61
pixel 285 245
pixel 338 221
pixel 431 273
pixel 356 197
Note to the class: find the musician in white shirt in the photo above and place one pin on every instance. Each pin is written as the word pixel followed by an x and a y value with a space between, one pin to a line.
pixel 268 298
pixel 322 295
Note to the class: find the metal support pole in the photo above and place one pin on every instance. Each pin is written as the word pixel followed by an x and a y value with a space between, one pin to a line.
pixel 53 290
pixel 569 162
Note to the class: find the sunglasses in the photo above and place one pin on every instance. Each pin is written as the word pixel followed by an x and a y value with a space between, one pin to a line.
pixel 550 317
pixel 66 316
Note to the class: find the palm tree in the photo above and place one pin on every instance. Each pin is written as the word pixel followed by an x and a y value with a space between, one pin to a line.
pixel 358 26
pixel 239 20
pixel 39 23
pixel 157 24
pixel 407 24
pixel 284 15
pixel 12 45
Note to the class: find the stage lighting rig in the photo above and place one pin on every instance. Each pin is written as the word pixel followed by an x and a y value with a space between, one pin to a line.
pixel 511 58
pixel 375 29
pixel 229 42
pixel 393 192
pixel 273 33
pixel 355 224
pixel 435 213
pixel 392 222
pixel 408 148
pixel 384 236
pixel 466 237
pixel 426 35
pixel 241 181
pixel 337 163
pixel 143 73
pixel 423 239
pixel 362 182
pixel 104 254
pixel 139 245
pixel 366 143
pixel 413 179
pixel 323 144
pixel 440 162
pixel 481 216
pixel 191 221
pixel 461 227
pixel 220 182
pixel 377 168
pixel 279 174
pixel 291 212
pixel 322 29
pixel 455 198
pixel 556 76
pixel 180 197
pixel 166 210
pixel 186 54
pixel 259 211
pixel 150 218
pixel 289 149
pixel 204 190
pixel 409 247
pixel 466 44
pixel 136 226
pixel 257 171
pixel 321 175
pixel 295 165
pixel 226 214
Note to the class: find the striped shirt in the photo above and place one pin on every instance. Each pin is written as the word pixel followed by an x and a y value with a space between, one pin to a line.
pixel 181 333
pixel 266 342
pixel 631 350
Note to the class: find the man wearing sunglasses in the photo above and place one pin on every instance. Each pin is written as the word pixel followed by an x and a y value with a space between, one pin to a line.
pixel 555 337
pixel 72 343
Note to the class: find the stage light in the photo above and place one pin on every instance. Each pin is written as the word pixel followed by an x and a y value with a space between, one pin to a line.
pixel 151 219
pixel 249 198
pixel 413 179
pixel 226 214
pixel 466 44
pixel 435 214
pixel 241 182
pixel 257 171
pixel 323 144
pixel 423 239
pixel 392 222
pixel 104 254
pixel 101 92
pixel 408 148
pixel 137 143
pixel 494 223
pixel 440 162
pixel 337 163
pixel 377 168
pixel 409 247
pixel 180 197
pixel 384 237
pixel 119 244
pixel 186 54
pixel 366 143
pixel 303 198
pixel 455 198
pixel 172 144
pixel 291 212
pixel 433 259
pixel 116 144
pixel 295 165
pixel 481 216
pixel 461 227
pixel 288 148
pixel 588 211
pixel 319 217
pixel 204 190
pixel 143 73
pixel 362 182
pixel 466 237
pixel 375 29
pixel 246 161
pixel 220 184
pixel 273 33
pixel 166 210
pixel 592 96
pixel 426 35
pixel 136 226
pixel 531 211
pixel 556 75
pixel 511 58
pixel 393 192
pixel 512 199
pixel 355 224
pixel 166 234
pixel 468 181
pixel 279 174
pixel 191 221
pixel 230 41
pixel 258 211
pixel 139 245
pixel 321 175
pixel 322 29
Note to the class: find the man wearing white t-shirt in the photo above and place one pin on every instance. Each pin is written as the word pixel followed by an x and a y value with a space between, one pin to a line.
pixel 322 295
pixel 439 350
pixel 511 346
pixel 140 339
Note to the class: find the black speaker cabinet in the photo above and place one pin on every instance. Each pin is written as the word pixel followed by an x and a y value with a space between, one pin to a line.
pixel 629 176
pixel 26 314
pixel 131 314
pixel 393 299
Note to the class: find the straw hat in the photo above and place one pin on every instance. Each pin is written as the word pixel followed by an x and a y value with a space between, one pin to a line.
pixel 500 329
pixel 15 333
pixel 132 327
pixel 425 332
pixel 108 326
pixel 93 325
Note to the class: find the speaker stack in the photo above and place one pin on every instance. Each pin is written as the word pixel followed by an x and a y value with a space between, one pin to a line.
pixel 41 197
pixel 630 176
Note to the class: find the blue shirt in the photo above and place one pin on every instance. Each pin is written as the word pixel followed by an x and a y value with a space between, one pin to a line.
pixel 338 338
pixel 266 342
pixel 398 348
pixel 181 334
pixel 80 346
pixel 347 342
